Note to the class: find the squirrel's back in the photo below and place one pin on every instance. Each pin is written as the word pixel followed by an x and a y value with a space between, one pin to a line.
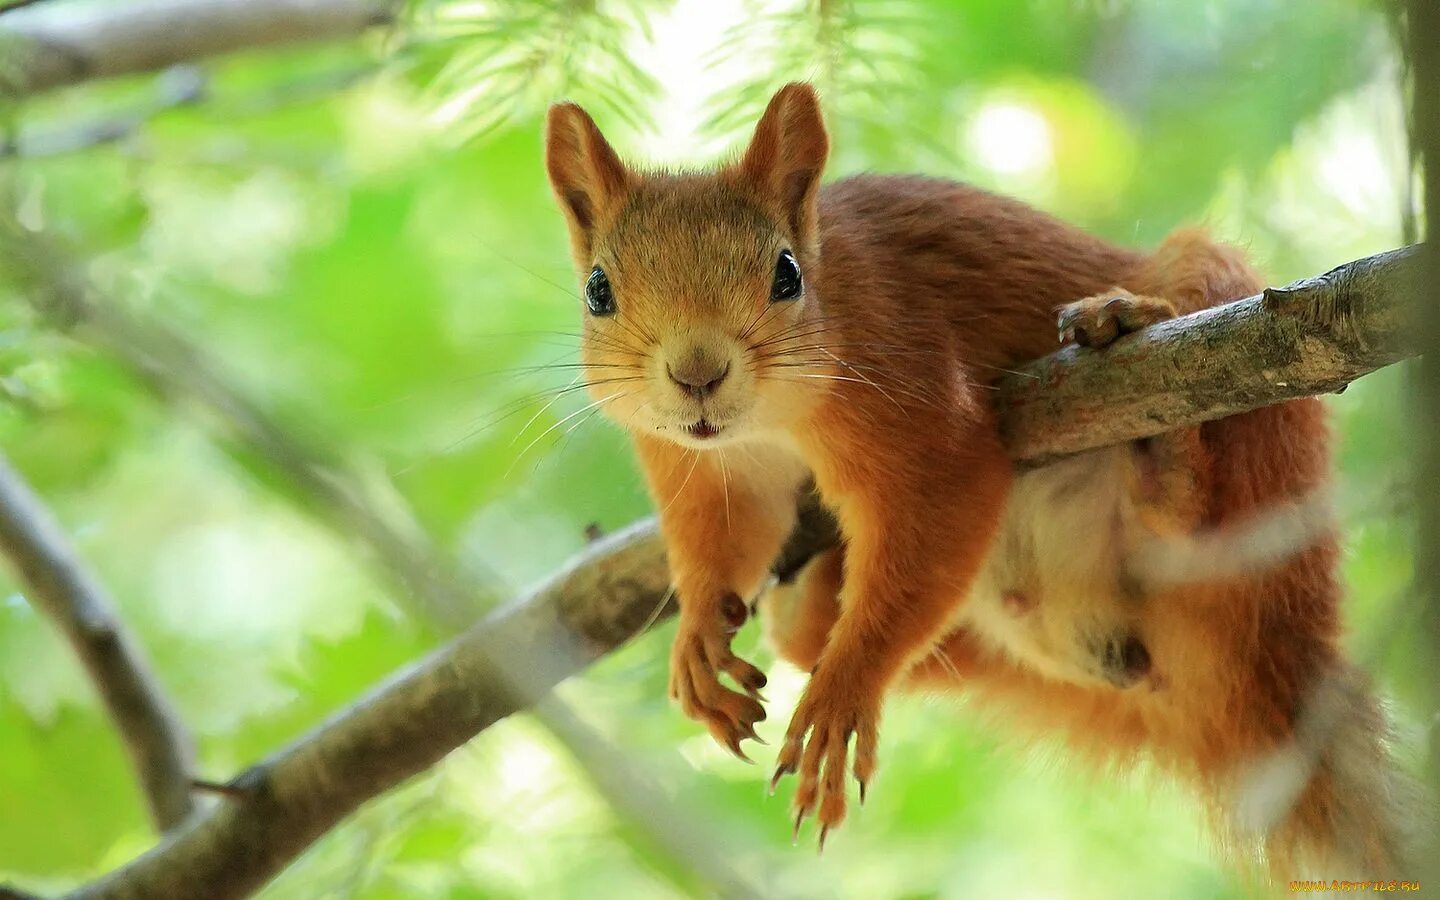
pixel 934 253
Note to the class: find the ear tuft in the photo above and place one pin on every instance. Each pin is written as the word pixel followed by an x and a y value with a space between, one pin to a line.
pixel 787 156
pixel 587 176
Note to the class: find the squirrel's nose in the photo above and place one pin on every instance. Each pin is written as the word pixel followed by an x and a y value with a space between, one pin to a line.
pixel 698 377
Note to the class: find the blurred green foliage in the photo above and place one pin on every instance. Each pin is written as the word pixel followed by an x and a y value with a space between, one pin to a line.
pixel 363 236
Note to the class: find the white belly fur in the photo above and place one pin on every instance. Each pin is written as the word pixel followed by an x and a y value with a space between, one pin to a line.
pixel 1067 530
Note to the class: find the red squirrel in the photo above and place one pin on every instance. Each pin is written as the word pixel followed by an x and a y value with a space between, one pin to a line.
pixel 756 332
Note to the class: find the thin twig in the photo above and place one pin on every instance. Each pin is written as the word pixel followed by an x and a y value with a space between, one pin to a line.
pixel 178 87
pixel 181 86
pixel 58 586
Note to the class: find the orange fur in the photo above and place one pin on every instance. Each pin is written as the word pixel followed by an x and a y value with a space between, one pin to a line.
pixel 875 382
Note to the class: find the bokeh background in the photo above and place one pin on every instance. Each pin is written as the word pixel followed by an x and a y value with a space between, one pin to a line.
pixel 362 236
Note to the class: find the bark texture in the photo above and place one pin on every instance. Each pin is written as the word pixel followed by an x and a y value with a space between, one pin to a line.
pixel 59 588
pixel 48 47
pixel 1312 337
pixel 406 725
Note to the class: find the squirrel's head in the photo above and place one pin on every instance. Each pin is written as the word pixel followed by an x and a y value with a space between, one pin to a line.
pixel 700 320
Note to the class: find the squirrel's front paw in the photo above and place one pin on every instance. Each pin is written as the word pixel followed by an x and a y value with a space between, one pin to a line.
pixel 1098 321
pixel 700 653
pixel 831 710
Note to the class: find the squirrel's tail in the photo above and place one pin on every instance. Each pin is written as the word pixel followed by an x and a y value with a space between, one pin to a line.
pixel 1332 804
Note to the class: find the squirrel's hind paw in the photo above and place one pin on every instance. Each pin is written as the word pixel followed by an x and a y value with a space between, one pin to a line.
pixel 1100 320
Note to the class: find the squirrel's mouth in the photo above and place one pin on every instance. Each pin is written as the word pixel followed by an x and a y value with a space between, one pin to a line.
pixel 702 429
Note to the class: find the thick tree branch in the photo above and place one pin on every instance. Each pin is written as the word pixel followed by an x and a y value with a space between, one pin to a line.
pixel 1335 328
pixel 404 727
pixel 1312 337
pixel 58 587
pixel 52 45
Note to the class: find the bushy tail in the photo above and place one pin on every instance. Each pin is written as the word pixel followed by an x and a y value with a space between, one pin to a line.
pixel 1333 804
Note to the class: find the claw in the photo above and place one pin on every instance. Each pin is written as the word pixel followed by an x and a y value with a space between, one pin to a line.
pixel 733 743
pixel 799 820
pixel 751 735
pixel 824 830
pixel 781 771
pixel 733 611
pixel 862 792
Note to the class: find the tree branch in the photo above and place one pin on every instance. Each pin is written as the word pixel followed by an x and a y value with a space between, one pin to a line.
pixel 52 46
pixel 404 727
pixel 58 587
pixel 184 86
pixel 1313 337
pixel 1336 327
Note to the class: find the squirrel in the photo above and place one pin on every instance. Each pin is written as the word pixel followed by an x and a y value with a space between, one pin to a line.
pixel 757 333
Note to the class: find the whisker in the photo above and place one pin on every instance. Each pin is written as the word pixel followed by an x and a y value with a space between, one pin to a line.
pixel 584 409
pixel 562 366
pixel 655 613
pixel 601 341
pixel 541 411
pixel 519 405
pixel 684 484
pixel 944 661
pixel 568 291
pixel 725 482
pixel 1003 369
pixel 644 337
pixel 866 379
pixel 890 349
pixel 565 439
pixel 765 313
pixel 855 367
pixel 935 401
pixel 786 336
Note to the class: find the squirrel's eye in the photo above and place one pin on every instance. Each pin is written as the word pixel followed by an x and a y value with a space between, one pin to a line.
pixel 599 299
pixel 787 278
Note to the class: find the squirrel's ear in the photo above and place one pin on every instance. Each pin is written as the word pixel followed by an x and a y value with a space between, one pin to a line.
pixel 587 176
pixel 787 155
